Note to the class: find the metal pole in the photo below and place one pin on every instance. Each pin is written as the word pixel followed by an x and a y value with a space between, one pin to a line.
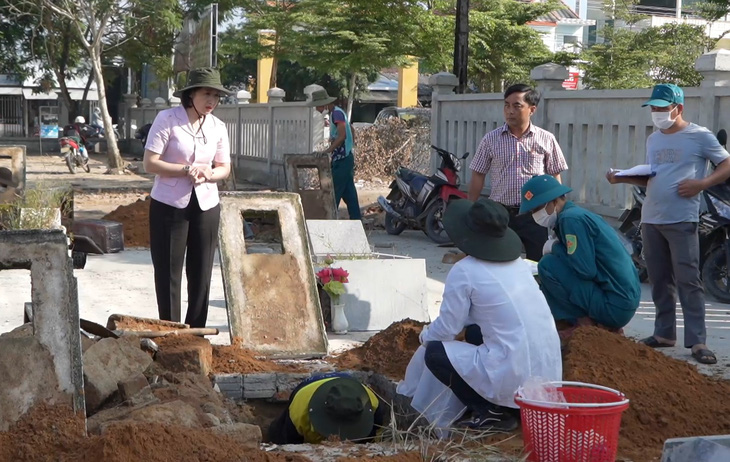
pixel 679 10
pixel 461 44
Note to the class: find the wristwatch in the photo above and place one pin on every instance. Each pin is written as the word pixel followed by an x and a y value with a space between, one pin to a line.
pixel 186 169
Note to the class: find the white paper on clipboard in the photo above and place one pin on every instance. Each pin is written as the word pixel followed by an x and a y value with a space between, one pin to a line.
pixel 639 170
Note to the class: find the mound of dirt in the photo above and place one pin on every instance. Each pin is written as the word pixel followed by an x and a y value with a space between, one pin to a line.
pixel 234 359
pixel 48 434
pixel 387 352
pixel 669 398
pixel 136 222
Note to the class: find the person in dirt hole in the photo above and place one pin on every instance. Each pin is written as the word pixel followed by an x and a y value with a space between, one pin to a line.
pixel 587 276
pixel 188 150
pixel 329 405
pixel 510 332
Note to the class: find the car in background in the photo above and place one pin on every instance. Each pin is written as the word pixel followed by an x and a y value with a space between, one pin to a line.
pixel 414 115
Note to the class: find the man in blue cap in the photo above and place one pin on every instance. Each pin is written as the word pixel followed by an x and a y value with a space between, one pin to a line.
pixel 678 153
pixel 586 274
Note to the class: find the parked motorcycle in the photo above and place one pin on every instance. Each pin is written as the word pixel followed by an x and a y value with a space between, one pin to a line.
pixel 73 154
pixel 713 229
pixel 419 201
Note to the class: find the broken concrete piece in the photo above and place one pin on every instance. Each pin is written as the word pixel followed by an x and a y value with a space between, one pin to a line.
pixel 23 331
pixel 125 322
pixel 133 386
pixel 170 413
pixel 230 385
pixel 318 202
pixel 109 362
pixel 244 434
pixel 195 355
pixel 693 449
pixel 272 300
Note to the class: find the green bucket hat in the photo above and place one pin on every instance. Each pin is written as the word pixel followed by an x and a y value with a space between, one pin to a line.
pixel 203 77
pixel 342 407
pixel 480 229
pixel 321 98
pixel 540 190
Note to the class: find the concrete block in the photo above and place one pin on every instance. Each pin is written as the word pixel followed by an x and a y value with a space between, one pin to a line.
pixel 230 385
pixel 272 300
pixel 17 163
pixel 286 382
pixel 383 291
pixel 108 235
pixel 246 435
pixel 194 355
pixel 55 323
pixel 705 448
pixel 177 413
pixel 133 386
pixel 319 202
pixel 339 238
pixel 107 363
pixel 257 386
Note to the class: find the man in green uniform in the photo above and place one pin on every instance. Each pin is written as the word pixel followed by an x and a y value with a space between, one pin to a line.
pixel 326 405
pixel 586 274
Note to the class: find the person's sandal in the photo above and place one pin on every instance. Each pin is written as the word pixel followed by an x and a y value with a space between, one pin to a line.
pixel 652 342
pixel 704 356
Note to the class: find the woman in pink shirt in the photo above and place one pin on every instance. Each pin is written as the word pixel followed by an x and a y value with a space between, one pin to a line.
pixel 188 151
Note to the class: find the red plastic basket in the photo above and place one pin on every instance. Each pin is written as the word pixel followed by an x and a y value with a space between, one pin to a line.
pixel 583 429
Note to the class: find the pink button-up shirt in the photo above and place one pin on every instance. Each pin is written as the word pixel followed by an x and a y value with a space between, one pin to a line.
pixel 172 136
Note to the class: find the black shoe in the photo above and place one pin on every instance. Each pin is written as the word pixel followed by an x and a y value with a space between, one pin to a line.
pixel 491 420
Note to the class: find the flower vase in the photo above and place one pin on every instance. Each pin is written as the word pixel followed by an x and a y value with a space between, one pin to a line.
pixel 339 320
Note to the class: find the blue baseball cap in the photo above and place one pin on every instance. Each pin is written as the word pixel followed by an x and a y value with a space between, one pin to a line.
pixel 665 94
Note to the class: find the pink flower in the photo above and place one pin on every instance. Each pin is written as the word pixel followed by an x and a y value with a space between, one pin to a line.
pixel 340 274
pixel 325 275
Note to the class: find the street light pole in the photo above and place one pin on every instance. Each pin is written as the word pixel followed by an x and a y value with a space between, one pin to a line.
pixel 461 43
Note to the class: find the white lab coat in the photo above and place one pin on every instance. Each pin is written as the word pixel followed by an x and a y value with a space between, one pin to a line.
pixel 520 338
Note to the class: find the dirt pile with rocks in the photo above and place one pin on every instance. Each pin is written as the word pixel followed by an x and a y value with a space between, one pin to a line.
pixel 135 219
pixel 669 398
pixel 55 434
pixel 387 352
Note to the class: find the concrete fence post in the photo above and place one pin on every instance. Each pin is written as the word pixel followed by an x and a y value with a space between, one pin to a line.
pixel 442 83
pixel 276 95
pixel 549 77
pixel 715 69
pixel 243 97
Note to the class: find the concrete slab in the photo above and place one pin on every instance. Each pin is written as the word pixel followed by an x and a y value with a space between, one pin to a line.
pixel 339 238
pixel 383 291
pixel 55 319
pixel 318 201
pixel 705 448
pixel 272 299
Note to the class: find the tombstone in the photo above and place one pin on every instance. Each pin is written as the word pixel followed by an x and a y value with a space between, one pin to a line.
pixel 318 197
pixel 272 299
pixel 338 238
pixel 700 448
pixel 45 367
pixel 13 157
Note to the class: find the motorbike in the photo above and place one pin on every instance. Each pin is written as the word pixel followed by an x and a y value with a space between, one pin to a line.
pixel 419 201
pixel 72 153
pixel 713 230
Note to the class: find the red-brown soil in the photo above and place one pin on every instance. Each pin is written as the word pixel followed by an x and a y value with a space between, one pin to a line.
pixel 54 434
pixel 387 352
pixel 669 398
pixel 135 218
pixel 234 359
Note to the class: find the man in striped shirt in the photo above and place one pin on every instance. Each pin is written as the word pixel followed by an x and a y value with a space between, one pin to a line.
pixel 513 154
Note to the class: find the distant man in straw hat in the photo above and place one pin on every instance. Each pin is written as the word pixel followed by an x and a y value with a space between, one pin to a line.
pixel 340 150
pixel 585 273
pixel 327 405
pixel 510 333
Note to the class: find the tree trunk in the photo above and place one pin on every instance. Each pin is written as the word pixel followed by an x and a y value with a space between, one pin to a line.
pixel 116 165
pixel 351 95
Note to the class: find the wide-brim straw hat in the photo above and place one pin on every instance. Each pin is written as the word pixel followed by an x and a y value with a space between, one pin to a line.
pixel 480 229
pixel 204 77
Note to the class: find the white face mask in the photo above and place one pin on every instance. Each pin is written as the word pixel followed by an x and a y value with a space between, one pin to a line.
pixel 544 219
pixel 662 120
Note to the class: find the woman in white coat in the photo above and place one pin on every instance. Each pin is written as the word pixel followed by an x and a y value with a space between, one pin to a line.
pixel 511 334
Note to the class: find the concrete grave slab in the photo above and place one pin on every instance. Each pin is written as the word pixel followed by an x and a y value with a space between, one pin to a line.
pixel 383 291
pixel 705 448
pixel 272 300
pixel 55 327
pixel 344 238
pixel 15 157
pixel 318 200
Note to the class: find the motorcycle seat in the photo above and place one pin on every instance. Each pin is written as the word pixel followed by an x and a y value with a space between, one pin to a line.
pixel 415 179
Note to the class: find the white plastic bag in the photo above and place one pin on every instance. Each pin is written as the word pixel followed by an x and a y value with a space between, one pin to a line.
pixel 540 389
